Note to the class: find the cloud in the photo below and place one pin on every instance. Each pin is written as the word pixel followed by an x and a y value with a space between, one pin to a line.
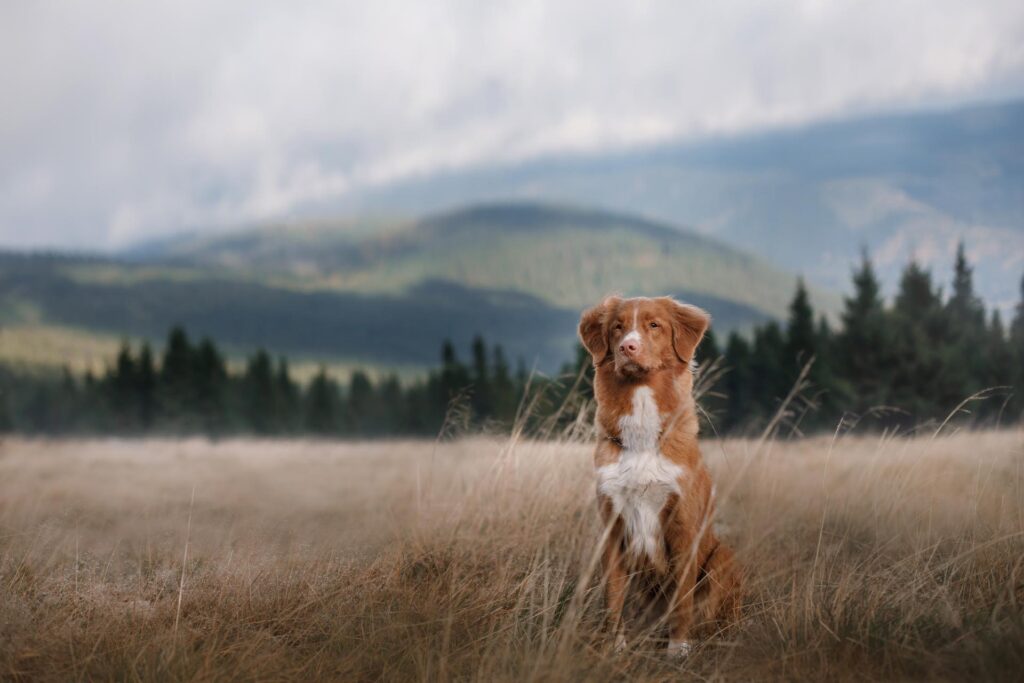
pixel 125 120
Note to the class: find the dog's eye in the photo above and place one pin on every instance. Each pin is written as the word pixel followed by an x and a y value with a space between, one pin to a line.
pixel 618 326
pixel 653 324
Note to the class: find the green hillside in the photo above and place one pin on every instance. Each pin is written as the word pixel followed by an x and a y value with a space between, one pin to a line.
pixel 564 256
pixel 383 296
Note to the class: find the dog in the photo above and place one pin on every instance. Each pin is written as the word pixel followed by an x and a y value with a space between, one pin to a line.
pixel 654 493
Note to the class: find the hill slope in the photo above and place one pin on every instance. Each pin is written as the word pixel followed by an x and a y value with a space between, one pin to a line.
pixel 567 257
pixel 807 198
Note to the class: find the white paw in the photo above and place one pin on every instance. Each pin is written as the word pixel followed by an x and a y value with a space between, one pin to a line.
pixel 679 648
pixel 620 643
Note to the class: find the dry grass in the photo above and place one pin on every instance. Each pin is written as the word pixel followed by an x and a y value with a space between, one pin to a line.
pixel 870 558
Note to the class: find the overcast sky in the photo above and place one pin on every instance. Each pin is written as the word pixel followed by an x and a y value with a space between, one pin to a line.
pixel 125 120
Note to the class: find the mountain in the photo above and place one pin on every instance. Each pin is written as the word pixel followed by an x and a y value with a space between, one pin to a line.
pixel 565 256
pixel 516 273
pixel 805 198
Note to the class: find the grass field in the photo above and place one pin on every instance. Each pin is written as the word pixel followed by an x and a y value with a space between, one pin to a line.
pixel 867 557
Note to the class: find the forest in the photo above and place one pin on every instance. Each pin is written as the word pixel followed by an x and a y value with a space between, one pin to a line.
pixel 905 364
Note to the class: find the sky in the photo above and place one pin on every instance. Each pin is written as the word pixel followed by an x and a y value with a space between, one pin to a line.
pixel 124 121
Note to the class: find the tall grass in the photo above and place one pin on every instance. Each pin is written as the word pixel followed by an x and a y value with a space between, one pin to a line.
pixel 866 556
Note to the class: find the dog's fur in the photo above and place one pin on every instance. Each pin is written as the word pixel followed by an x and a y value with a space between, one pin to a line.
pixel 654 493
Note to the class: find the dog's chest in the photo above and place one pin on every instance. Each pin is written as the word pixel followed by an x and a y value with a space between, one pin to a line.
pixel 642 479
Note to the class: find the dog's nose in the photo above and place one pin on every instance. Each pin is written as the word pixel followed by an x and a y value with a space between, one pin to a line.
pixel 630 347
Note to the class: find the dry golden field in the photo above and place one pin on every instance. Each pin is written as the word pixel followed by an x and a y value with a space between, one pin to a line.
pixel 867 557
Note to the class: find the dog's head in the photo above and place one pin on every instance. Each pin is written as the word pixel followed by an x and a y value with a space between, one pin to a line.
pixel 642 335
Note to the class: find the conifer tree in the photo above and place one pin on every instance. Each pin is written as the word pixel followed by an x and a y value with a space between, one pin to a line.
pixel 926 378
pixel 360 402
pixel 769 378
pixel 176 380
pixel 864 347
pixel 260 396
pixel 210 387
pixel 288 399
pixel 322 409
pixel 505 394
pixel 966 315
pixel 738 389
pixel 146 387
pixel 801 338
pixel 482 400
pixel 123 388
pixel 1017 356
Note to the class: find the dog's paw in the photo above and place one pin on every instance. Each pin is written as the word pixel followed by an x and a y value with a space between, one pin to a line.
pixel 679 648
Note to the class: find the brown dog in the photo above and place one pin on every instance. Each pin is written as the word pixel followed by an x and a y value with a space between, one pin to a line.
pixel 654 493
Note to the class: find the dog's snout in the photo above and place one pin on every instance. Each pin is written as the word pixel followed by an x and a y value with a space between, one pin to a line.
pixel 629 347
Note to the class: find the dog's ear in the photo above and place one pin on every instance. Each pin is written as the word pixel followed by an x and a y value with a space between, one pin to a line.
pixel 689 324
pixel 594 329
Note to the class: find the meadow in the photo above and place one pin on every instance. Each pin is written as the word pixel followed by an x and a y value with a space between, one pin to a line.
pixel 867 557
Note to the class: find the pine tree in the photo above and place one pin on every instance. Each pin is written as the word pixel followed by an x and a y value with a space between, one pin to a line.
pixel 927 380
pixel 260 396
pixel 801 338
pixel 123 388
pixel 360 402
pixel 770 381
pixel 1017 356
pixel 738 385
pixel 864 348
pixel 146 386
pixel 998 367
pixel 210 388
pixel 964 305
pixel 482 399
pixel 392 417
pixel 322 409
pixel 454 378
pixel 288 399
pixel 504 390
pixel 966 315
pixel 176 379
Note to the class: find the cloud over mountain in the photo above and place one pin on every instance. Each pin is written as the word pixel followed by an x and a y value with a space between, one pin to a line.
pixel 124 120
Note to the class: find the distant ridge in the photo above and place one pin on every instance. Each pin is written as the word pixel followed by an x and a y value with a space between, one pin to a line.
pixel 567 256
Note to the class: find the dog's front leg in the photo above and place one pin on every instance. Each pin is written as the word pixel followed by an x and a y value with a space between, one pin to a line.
pixel 616 578
pixel 683 562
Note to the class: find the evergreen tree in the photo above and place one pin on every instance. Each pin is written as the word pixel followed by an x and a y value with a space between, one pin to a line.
pixel 391 415
pixel 288 399
pixel 210 387
pixel 146 386
pixel 454 378
pixel 176 380
pixel 123 385
pixel 1017 356
pixel 964 306
pixel 482 400
pixel 506 397
pixel 801 338
pixel 864 359
pixel 998 366
pixel 322 410
pixel 927 379
pixel 966 316
pixel 738 385
pixel 260 395
pixel 360 402
pixel 770 381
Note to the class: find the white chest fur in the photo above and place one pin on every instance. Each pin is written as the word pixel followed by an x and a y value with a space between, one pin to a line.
pixel 640 482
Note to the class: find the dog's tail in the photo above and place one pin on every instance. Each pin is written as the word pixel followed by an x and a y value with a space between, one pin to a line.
pixel 720 595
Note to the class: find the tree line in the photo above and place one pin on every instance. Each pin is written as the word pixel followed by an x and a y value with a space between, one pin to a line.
pixel 191 389
pixel 899 366
pixel 902 365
